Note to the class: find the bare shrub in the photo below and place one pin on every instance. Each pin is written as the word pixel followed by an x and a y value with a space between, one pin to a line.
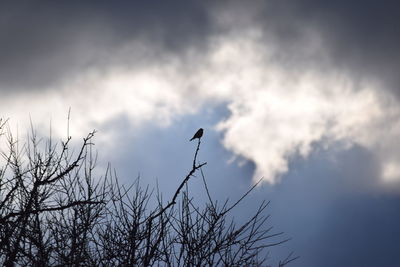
pixel 55 211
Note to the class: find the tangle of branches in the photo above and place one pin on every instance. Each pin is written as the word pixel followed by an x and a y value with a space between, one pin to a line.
pixel 56 210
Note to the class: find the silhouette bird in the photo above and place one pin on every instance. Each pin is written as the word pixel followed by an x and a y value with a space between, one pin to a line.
pixel 198 134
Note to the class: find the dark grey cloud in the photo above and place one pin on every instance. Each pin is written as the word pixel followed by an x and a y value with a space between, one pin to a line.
pixel 360 37
pixel 364 36
pixel 41 43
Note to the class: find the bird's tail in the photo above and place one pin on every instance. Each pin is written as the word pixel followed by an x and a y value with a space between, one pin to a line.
pixel 191 139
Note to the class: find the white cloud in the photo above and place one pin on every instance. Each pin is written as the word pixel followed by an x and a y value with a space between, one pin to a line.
pixel 276 113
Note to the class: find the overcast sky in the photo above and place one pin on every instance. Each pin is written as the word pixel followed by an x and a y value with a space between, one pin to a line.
pixel 304 94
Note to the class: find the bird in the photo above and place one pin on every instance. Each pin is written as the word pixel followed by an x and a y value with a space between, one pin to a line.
pixel 198 134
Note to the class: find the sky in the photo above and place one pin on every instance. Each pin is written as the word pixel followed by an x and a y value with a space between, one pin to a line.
pixel 303 94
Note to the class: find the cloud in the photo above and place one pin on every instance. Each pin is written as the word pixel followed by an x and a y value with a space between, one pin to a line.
pixel 44 44
pixel 283 98
pixel 277 115
pixel 360 38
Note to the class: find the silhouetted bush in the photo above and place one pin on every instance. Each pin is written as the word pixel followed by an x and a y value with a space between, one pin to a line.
pixel 54 211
